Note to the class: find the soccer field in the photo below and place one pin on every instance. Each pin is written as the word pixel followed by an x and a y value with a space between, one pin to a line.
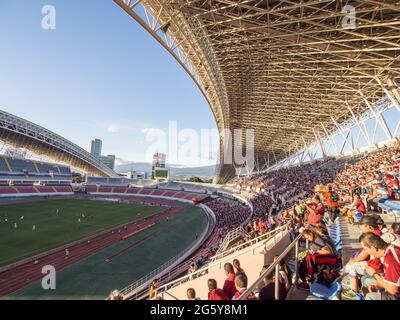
pixel 55 229
pixel 95 277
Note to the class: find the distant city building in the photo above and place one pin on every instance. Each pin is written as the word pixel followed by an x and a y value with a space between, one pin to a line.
pixel 96 148
pixel 109 161
pixel 158 162
pixel 135 175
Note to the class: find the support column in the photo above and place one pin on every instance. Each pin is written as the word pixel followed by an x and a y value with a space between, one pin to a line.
pixel 330 138
pixel 344 136
pixel 362 130
pixel 321 144
pixel 378 118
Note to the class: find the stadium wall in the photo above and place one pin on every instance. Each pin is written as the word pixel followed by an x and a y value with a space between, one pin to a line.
pixel 253 259
pixel 30 195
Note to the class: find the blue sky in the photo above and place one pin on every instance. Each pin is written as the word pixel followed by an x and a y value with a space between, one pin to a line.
pixel 99 74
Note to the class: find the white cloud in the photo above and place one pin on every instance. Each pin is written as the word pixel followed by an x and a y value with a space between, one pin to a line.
pixel 113 128
pixel 147 130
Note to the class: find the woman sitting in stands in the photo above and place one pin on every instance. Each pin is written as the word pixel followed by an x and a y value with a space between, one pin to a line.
pixel 320 253
pixel 322 231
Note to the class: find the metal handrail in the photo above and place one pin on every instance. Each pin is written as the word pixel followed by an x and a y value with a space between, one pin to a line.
pixel 248 243
pixel 214 263
pixel 275 266
pixel 232 235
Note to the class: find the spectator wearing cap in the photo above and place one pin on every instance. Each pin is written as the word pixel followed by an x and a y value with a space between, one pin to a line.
pixel 214 293
pixel 381 285
pixel 229 285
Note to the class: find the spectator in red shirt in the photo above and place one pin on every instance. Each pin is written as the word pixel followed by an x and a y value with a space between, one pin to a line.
pixel 382 286
pixel 241 287
pixel 214 293
pixel 316 211
pixel 229 285
pixel 358 204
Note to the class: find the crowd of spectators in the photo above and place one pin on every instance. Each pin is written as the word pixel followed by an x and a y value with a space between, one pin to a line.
pixel 229 213
pixel 354 187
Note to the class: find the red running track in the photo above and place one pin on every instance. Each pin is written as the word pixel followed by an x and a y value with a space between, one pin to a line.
pixel 136 243
pixel 16 278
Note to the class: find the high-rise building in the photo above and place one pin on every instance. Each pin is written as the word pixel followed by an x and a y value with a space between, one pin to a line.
pixel 158 162
pixel 109 161
pixel 96 147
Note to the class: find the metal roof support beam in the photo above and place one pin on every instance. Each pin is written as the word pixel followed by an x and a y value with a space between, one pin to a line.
pixel 393 93
pixel 346 141
pixel 345 137
pixel 332 141
pixel 363 130
pixel 378 118
pixel 320 143
pixel 306 147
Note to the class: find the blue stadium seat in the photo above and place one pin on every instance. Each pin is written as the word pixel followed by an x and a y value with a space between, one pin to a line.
pixel 3 166
pixel 391 207
pixel 20 165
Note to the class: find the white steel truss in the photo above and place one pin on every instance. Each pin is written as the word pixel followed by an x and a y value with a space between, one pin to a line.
pixel 290 70
pixel 20 133
pixel 348 136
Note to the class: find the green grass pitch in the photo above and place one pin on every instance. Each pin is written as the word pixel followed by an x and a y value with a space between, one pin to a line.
pixel 94 278
pixel 54 230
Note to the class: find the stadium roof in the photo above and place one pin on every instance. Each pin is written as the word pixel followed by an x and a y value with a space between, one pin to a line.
pixel 21 133
pixel 292 70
